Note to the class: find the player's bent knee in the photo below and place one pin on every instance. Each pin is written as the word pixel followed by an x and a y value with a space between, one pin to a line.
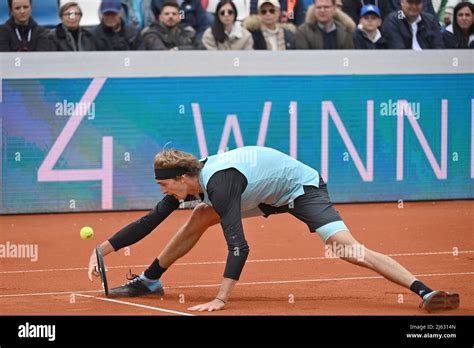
pixel 205 214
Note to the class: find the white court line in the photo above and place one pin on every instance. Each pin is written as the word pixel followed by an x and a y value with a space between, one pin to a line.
pixel 245 283
pixel 223 262
pixel 136 305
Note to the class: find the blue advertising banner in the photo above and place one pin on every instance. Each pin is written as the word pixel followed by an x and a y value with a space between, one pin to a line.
pixel 83 144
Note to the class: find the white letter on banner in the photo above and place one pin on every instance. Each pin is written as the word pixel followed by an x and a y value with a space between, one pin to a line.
pixel 104 174
pixel 403 109
pixel 328 109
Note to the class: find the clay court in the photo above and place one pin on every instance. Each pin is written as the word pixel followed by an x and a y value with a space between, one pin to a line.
pixel 287 272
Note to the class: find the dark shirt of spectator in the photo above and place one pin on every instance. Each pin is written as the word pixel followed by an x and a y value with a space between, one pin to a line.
pixel 20 32
pixel 193 14
pixel 112 34
pixel 399 27
pixel 68 35
pixel 461 33
pixel 367 35
pixel 169 33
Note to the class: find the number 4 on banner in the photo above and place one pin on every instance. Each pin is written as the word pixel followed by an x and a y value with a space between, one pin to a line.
pixel 104 174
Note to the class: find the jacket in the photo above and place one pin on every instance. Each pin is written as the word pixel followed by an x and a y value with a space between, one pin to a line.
pixel 33 38
pixel 238 39
pixel 398 33
pixel 158 37
pixel 62 40
pixel 362 42
pixel 127 39
pixel 254 25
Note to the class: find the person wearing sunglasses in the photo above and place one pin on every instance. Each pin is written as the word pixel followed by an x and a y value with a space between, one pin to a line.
pixel 20 32
pixel 226 33
pixel 68 35
pixel 410 28
pixel 267 31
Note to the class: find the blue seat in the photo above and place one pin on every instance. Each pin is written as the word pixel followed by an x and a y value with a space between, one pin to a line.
pixel 45 12
pixel 4 12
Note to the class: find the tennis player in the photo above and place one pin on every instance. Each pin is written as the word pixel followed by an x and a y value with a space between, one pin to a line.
pixel 248 181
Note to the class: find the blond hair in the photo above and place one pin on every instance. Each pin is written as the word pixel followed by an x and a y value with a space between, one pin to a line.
pixel 172 158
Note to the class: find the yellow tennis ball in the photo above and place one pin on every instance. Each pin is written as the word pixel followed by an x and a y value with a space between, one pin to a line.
pixel 87 232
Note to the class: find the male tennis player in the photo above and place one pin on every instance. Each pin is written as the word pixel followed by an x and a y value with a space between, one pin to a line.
pixel 248 181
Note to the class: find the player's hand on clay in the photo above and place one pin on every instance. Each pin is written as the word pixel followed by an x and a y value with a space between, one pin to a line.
pixel 214 305
pixel 93 266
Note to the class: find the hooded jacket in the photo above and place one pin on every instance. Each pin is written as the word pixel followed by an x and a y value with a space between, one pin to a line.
pixel 159 37
pixel 254 25
pixel 310 36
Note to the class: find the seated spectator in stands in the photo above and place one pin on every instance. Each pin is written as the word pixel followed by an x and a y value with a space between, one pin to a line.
pixel 226 33
pixel 461 33
pixel 367 35
pixel 194 14
pixel 169 33
pixel 353 7
pixel 69 36
pixel 242 6
pixel 267 32
pixel 21 32
pixel 291 11
pixel 321 30
pixel 112 34
pixel 412 29
pixel 448 12
pixel 395 6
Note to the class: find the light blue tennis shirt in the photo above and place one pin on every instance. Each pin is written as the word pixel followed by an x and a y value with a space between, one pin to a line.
pixel 273 177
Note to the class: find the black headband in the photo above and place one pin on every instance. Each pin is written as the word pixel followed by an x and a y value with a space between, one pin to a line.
pixel 169 173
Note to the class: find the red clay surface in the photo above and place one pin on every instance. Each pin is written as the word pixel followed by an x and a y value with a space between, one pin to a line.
pixel 286 273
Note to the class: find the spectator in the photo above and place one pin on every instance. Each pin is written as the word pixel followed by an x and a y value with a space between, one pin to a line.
pixel 267 32
pixel 168 33
pixel 461 33
pixel 194 14
pixel 292 11
pixel 69 36
pixel 242 6
pixel 449 10
pixel 367 35
pixel 411 29
pixel 321 30
pixel 395 6
pixel 353 8
pixel 226 33
pixel 112 34
pixel 20 32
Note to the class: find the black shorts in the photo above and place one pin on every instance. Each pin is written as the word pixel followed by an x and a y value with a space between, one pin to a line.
pixel 314 208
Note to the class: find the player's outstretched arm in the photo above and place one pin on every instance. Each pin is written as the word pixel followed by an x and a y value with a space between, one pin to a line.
pixel 221 299
pixel 106 248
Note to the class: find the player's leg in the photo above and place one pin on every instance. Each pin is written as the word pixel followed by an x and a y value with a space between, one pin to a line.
pixel 183 241
pixel 344 245
pixel 187 236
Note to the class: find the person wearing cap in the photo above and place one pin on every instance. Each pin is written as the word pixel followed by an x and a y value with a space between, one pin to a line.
pixel 169 33
pixel 267 32
pixel 410 28
pixel 112 34
pixel 353 8
pixel 20 32
pixel 68 35
pixel 367 35
pixel 321 30
pixel 291 11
